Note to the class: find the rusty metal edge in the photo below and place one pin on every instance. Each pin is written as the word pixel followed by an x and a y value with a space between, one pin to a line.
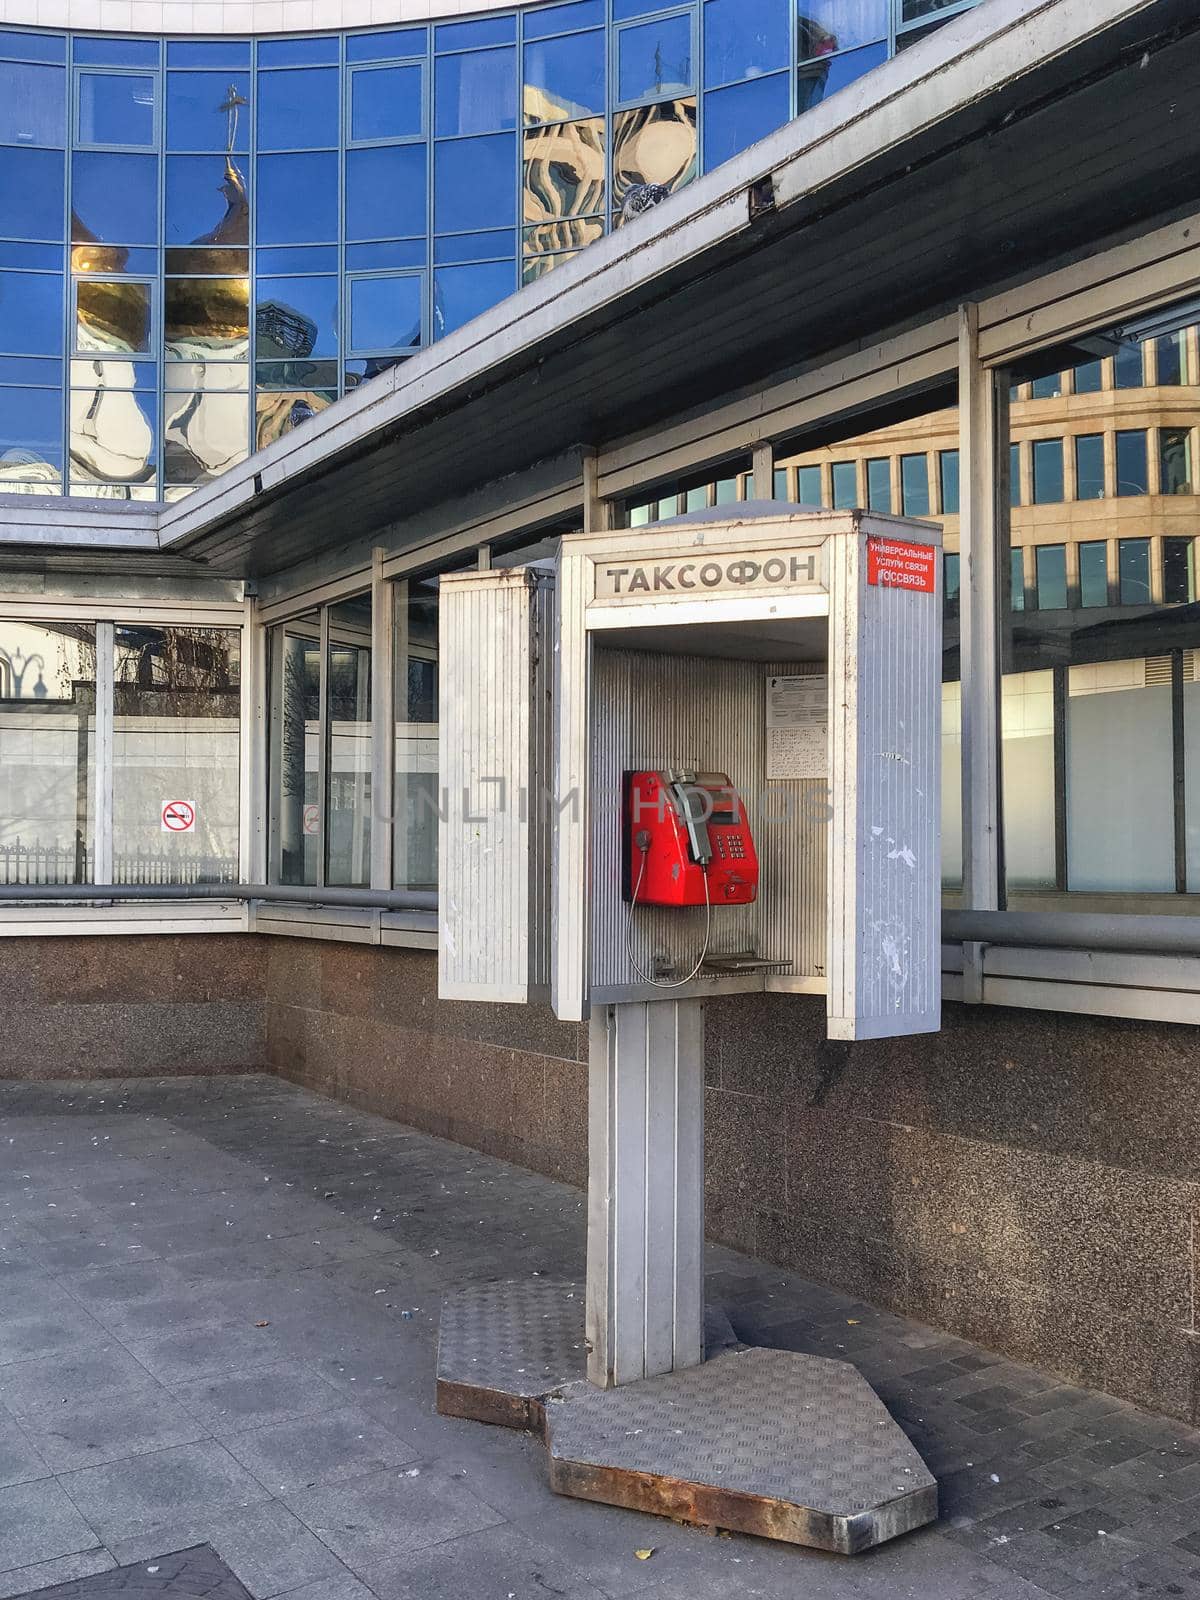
pixel 763 1516
pixel 500 1408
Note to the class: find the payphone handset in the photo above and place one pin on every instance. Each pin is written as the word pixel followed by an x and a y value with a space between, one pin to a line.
pixel 687 841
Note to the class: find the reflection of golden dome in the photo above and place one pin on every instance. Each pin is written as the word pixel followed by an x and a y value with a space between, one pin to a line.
pixel 277 413
pixel 96 257
pixel 113 314
pixel 207 309
pixel 564 171
pixel 234 226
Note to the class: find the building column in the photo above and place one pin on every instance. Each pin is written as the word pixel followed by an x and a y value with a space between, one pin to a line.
pixel 645 1262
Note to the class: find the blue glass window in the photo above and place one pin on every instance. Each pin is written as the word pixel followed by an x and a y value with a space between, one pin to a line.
pixel 948 481
pixel 1050 565
pixel 476 92
pixel 116 51
pixel 33 105
pixel 390 253
pixel 114 198
pixel 564 78
pixel 30 431
pixel 208 53
pixel 541 21
pixel 116 108
pixel 460 293
pixel 385 103
pixel 469 35
pixel 297 51
pixel 31 314
pixel 745 39
pixel 393 44
pixel 296 317
pixel 1046 388
pixel 879 483
pixel 1047 471
pixel 1089 466
pixel 844 478
pixel 297 199
pixel 207 201
pixel 739 116
pixel 808 486
pixel 475 184
pixel 654 58
pixel 825 26
pixel 914 485
pixel 634 8
pixel 1133 569
pixel 1089 378
pixel 817 80
pixel 1132 470
pixel 32 46
pixel 282 259
pixel 457 247
pixel 1016 579
pixel 1093 573
pixel 385 192
pixel 298 110
pixel 32 193
pixel 1128 367
pixel 208 111
pixel 385 313
pixel 30 369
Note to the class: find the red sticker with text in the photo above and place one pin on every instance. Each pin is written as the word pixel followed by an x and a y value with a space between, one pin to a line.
pixel 896 564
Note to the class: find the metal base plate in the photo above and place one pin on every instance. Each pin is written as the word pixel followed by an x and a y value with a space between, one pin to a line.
pixel 769 1442
pixel 502 1347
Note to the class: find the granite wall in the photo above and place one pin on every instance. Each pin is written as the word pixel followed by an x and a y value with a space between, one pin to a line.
pixel 123 1007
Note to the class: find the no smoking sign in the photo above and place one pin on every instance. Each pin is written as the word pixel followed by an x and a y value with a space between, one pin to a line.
pixel 179 816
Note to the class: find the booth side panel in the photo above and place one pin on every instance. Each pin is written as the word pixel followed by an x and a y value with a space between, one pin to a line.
pixel 485 754
pixel 570 890
pixel 791 835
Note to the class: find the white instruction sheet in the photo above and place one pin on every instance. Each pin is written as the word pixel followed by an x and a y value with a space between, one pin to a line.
pixel 798 727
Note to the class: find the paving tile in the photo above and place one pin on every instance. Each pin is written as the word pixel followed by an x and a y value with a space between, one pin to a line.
pixel 265 1545
pixel 234 1402
pixel 130 1497
pixel 52 1382
pixel 38 1523
pixel 19 1459
pixel 496 1561
pixel 370 1520
pixel 109 1427
pixel 24 1581
pixel 327 1447
pixel 210 1348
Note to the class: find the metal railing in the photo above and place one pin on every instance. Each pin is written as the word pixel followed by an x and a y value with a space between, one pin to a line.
pixel 37 863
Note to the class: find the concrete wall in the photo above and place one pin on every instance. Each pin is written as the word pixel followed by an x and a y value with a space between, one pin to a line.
pixel 118 1007
pixel 1026 1179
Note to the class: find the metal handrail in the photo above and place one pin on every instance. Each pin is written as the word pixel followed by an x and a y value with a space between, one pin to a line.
pixel 299 894
pixel 1075 930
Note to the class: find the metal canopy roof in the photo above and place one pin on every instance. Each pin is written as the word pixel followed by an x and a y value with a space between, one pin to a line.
pixel 1015 137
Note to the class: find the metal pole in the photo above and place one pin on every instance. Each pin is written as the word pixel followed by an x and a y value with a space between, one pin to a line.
pixel 386 900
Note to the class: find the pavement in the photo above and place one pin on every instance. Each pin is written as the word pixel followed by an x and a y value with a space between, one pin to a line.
pixel 218 1319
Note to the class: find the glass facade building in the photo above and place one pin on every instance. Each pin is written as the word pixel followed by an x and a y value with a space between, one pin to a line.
pixel 205 241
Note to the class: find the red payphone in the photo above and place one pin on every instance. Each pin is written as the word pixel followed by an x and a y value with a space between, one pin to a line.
pixel 687 841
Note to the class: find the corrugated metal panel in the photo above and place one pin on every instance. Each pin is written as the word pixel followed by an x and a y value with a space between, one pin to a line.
pixel 885 863
pixel 792 837
pixel 489 667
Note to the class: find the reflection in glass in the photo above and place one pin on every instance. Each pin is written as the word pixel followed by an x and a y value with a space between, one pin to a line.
pixel 564 78
pixel 30 437
pixel 1051 568
pixel 114 198
pixel 818 79
pixel 739 116
pixel 1132 465
pixel 476 92
pixel 1171 353
pixel 204 433
pixel 368 367
pixel 1175 460
pixel 1129 370
pixel 206 201
pixel 535 267
pixel 564 179
pixel 297 199
pixel 116 108
pixel 914 485
pixel 216 377
pixel 451 248
pixel 470 35
pixel 655 58
pixel 385 192
pixel 1179 572
pixel 202 261
pixel 30 369
pixel 112 315
pixel 569 236
pixel 385 313
pixel 17 46
pixel 414 834
pixel 1093 573
pixel 654 153
pixel 87 372
pixel 114 258
pixel 33 109
pixel 474 184
pixel 378 257
pixel 385 103
pixel 1133 571
pixel 744 39
pixel 298 110
pixel 541 21
pixel 31 312
pixel 206 319
pixel 823 26
pixel 1047 471
pixel 208 111
pixel 296 374
pixel 296 317
pixel 879 483
pixel 295 668
pixel 279 411
pixel 299 50
pixel 348 724
pixel 31 193
pixel 1088 378
pixel 115 50
pixel 461 293
pixel 208 52
pixel 1089 466
pixel 47 751
pixel 393 45
pixel 112 433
